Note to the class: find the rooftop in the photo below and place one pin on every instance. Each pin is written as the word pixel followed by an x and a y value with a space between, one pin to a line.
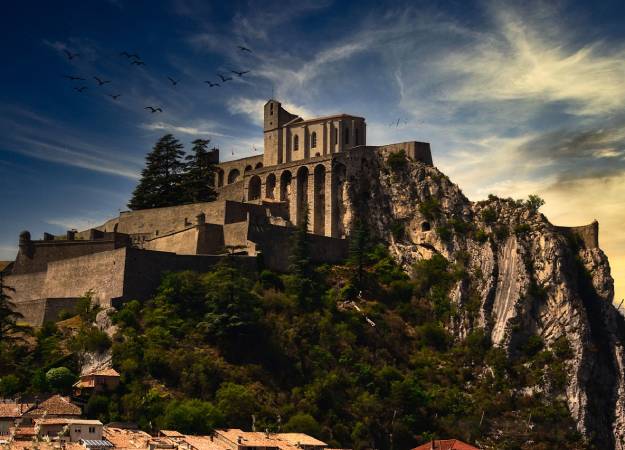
pixel 66 421
pixel 13 409
pixel 56 405
pixel 446 444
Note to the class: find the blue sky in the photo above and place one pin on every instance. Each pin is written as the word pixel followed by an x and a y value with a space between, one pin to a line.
pixel 515 97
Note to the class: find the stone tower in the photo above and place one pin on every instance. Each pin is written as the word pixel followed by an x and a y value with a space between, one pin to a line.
pixel 275 117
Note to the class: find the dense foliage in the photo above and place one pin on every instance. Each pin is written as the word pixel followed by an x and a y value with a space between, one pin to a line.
pixel 357 355
pixel 170 178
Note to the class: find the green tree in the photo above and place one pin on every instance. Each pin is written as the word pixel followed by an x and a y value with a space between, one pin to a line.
pixel 160 183
pixel 60 379
pixel 9 385
pixel 301 266
pixel 237 403
pixel 10 330
pixel 534 203
pixel 303 423
pixel 359 247
pixel 199 176
pixel 191 416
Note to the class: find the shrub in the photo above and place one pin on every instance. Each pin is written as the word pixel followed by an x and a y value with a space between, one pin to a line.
pixel 522 228
pixel 532 346
pixel 398 230
pixel 430 208
pixel 270 280
pixel 397 160
pixel 9 385
pixel 489 215
pixel 60 379
pixel 534 202
pixel 481 236
pixel 444 233
pixel 91 339
pixel 400 291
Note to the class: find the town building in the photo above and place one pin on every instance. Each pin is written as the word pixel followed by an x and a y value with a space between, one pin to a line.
pixel 105 380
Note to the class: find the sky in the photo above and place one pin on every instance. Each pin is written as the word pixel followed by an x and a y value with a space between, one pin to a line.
pixel 516 98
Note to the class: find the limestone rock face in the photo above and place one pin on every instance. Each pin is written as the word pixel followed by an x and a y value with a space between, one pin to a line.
pixel 531 278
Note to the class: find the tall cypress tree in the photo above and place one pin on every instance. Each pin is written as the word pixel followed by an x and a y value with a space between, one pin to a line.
pixel 9 327
pixel 359 246
pixel 161 179
pixel 199 177
pixel 301 266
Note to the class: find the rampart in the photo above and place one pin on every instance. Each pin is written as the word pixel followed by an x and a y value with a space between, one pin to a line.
pixel 34 256
pixel 588 235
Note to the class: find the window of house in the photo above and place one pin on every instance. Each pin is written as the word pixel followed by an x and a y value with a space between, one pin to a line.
pixel 76 430
pixel 91 429
pixel 313 140
pixel 296 142
pixel 346 135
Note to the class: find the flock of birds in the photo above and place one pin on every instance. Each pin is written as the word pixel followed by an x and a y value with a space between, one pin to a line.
pixel 136 60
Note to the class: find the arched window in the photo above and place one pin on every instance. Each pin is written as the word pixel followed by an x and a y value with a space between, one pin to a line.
pixel 346 135
pixel 296 142
pixel 335 132
pixel 271 109
pixel 313 140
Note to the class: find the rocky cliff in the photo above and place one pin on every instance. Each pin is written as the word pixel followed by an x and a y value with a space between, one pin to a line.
pixel 525 277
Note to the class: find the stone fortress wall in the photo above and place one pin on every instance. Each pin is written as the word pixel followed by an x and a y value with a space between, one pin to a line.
pixel 306 168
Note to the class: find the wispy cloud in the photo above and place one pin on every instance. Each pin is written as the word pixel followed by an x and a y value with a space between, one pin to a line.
pixel 200 130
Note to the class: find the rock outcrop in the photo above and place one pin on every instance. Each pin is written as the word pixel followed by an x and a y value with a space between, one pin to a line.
pixel 531 278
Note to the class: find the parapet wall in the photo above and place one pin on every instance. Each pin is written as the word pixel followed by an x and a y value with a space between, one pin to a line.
pixel 34 256
pixel 587 234
pixel 417 151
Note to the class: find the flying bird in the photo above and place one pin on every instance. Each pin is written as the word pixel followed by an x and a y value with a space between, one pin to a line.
pixel 153 109
pixel 71 55
pixel 70 77
pixel 115 97
pixel 173 82
pixel 244 49
pixel 224 79
pixel 138 63
pixel 240 73
pixel 81 88
pixel 100 81
pixel 211 84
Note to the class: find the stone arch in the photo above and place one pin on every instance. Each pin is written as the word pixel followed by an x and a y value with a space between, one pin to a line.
pixel 302 194
pixel 285 188
pixel 425 226
pixel 220 177
pixel 319 214
pixel 233 175
pixel 270 185
pixel 258 165
pixel 248 168
pixel 339 189
pixel 254 188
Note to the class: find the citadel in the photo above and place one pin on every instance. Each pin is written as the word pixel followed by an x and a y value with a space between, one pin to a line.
pixel 306 167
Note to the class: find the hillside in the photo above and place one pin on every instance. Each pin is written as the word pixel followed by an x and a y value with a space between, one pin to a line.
pixel 480 321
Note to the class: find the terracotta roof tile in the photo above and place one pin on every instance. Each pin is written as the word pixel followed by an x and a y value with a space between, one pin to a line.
pixel 58 406
pixel 446 444
pixel 13 409
pixel 110 372
pixel 301 438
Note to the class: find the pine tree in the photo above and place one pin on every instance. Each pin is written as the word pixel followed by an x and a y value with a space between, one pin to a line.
pixel 160 183
pixel 9 327
pixel 301 267
pixel 199 177
pixel 359 246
